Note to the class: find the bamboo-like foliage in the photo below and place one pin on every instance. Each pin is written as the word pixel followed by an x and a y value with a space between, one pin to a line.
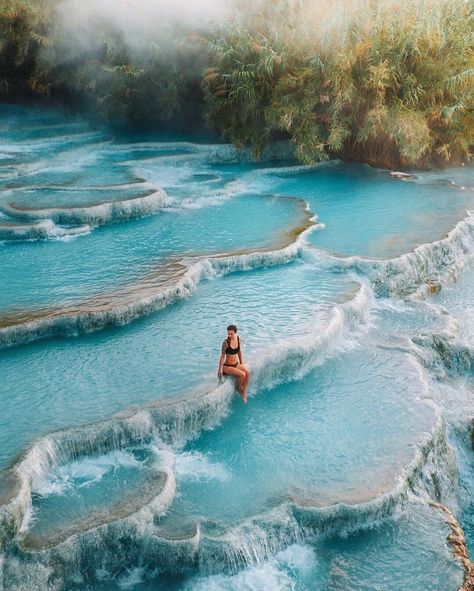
pixel 157 85
pixel 391 83
pixel 24 29
pixel 241 85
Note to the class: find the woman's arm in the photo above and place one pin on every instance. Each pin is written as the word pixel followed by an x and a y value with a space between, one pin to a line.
pixel 221 360
pixel 241 359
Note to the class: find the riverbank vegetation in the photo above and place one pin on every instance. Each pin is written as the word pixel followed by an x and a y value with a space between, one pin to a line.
pixel 390 83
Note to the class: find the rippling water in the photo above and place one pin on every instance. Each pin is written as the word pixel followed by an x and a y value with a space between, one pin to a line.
pixel 125 465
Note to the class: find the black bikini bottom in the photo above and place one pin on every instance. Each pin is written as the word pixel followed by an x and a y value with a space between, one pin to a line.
pixel 231 364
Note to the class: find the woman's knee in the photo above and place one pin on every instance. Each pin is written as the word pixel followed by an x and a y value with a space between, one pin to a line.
pixel 236 373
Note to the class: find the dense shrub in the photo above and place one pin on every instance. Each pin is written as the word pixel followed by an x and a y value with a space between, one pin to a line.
pixel 387 82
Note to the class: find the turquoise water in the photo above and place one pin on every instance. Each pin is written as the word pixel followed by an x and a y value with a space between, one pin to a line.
pixel 126 465
pixel 106 259
pixel 144 362
pixel 338 424
pixel 94 489
pixel 364 214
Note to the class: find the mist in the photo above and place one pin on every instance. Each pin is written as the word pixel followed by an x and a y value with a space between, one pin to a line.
pixel 387 81
pixel 81 26
pixel 81 23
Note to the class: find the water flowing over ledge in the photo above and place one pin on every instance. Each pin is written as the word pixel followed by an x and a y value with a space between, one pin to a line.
pixel 146 502
pixel 94 215
pixel 135 535
pixel 176 279
pixel 172 422
pixel 179 277
pixel 163 522
pixel 408 274
pixel 209 550
pixel 41 230
pixel 445 354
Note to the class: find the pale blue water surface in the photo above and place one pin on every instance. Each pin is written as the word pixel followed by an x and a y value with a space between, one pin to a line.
pixel 126 465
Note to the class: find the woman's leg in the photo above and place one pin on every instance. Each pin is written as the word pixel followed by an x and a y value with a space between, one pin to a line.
pixel 240 375
pixel 247 377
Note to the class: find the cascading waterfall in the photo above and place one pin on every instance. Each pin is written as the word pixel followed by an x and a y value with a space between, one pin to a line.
pixel 155 474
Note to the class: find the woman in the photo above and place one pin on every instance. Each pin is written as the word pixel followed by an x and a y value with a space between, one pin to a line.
pixel 231 361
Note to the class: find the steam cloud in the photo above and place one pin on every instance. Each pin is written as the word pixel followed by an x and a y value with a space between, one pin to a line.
pixel 139 21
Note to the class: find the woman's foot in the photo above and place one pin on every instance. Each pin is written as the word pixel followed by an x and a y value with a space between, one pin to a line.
pixel 243 395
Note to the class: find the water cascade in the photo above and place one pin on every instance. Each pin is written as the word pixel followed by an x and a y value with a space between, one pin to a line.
pixel 125 465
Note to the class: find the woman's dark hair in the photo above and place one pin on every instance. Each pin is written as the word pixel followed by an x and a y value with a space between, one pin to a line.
pixel 232 327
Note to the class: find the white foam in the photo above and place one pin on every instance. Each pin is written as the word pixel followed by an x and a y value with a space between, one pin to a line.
pixel 133 577
pixel 297 557
pixel 167 176
pixel 211 199
pixel 193 465
pixel 186 284
pixel 409 273
pixel 42 230
pixel 276 574
pixel 103 213
pixel 83 473
pixel 259 578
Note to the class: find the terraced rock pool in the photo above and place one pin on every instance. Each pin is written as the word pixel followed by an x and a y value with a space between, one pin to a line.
pixel 126 465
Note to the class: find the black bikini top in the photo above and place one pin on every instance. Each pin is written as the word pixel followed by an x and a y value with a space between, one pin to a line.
pixel 229 350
